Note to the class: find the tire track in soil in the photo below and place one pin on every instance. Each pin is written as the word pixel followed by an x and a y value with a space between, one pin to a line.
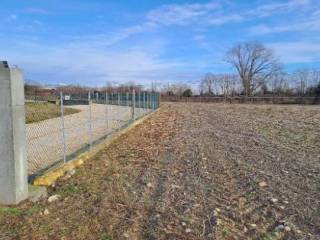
pixel 143 218
pixel 193 186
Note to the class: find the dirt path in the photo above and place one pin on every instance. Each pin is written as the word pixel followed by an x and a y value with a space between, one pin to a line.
pixel 190 172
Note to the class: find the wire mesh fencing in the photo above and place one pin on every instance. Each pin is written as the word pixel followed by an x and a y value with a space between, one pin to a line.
pixel 58 129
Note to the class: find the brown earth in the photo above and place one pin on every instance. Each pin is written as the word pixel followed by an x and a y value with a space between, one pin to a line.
pixel 191 171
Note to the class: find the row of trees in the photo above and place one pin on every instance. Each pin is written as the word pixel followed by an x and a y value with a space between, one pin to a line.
pixel 257 72
pixel 299 83
pixel 47 92
pixel 177 89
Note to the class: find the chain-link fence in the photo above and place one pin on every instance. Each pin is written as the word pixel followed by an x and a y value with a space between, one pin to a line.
pixel 60 128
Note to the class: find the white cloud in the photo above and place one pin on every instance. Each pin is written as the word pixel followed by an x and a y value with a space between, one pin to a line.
pixel 201 40
pixel 297 52
pixel 33 10
pixel 220 20
pixel 166 15
pixel 126 32
pixel 310 23
pixel 276 7
pixel 183 14
pixel 12 17
pixel 207 14
pixel 90 64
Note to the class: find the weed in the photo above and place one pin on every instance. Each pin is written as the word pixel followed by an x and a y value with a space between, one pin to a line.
pixel 72 189
pixel 271 236
pixel 106 237
pixel 224 231
pixel 18 211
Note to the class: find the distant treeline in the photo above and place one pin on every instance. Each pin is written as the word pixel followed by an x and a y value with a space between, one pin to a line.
pixel 302 83
pixel 244 99
pixel 257 72
pixel 42 92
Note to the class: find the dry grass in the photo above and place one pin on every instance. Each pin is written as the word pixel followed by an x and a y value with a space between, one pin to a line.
pixel 36 112
pixel 192 171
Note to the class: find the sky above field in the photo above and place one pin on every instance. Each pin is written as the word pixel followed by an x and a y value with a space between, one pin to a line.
pixel 91 42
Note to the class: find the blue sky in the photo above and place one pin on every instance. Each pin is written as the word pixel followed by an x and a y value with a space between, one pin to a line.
pixel 91 42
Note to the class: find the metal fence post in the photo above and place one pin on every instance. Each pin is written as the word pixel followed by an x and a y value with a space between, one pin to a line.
pixel 139 104
pixel 153 101
pixel 112 98
pixel 150 101
pixel 106 117
pixel 63 128
pixel 144 102
pixel 90 120
pixel 118 99
pixel 133 104
pixel 127 99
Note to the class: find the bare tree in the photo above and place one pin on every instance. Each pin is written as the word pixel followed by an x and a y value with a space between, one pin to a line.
pixel 179 88
pixel 166 89
pixel 227 84
pixel 279 83
pixel 176 89
pixel 315 77
pixel 207 84
pixel 123 87
pixel 254 63
pixel 219 84
pixel 302 79
pixel 155 86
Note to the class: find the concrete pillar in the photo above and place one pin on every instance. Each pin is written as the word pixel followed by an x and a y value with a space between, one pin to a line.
pixel 13 163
